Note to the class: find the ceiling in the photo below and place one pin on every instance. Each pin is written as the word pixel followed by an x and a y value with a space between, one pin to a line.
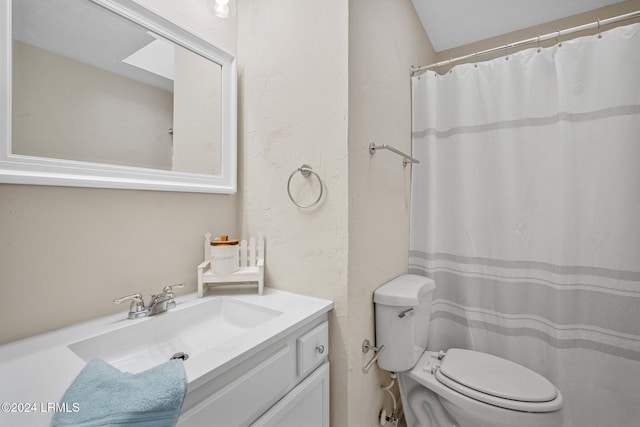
pixel 453 23
pixel 85 32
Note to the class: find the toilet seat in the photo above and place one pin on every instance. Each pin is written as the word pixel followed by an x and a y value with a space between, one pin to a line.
pixel 496 381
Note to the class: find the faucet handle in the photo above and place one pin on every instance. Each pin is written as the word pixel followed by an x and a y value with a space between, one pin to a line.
pixel 137 308
pixel 169 289
pixel 136 299
pixel 137 303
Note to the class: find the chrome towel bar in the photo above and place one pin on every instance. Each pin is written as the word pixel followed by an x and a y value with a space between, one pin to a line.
pixel 405 157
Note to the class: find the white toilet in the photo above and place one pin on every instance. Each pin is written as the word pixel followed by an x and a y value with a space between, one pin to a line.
pixel 460 388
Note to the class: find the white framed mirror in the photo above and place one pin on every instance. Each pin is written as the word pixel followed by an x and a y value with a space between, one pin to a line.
pixel 105 93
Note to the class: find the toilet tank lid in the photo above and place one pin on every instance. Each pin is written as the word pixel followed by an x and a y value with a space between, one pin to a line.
pixel 406 290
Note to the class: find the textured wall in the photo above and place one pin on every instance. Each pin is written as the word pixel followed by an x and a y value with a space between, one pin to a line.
pixel 385 39
pixel 307 72
pixel 293 109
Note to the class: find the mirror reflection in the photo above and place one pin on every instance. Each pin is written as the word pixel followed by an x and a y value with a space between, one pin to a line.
pixel 89 85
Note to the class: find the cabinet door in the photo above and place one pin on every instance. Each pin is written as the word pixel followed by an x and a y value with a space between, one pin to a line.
pixel 306 405
pixel 245 398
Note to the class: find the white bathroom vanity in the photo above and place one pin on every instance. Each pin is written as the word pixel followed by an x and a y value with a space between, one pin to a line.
pixel 253 360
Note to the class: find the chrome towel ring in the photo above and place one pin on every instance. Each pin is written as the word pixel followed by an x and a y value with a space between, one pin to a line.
pixel 305 170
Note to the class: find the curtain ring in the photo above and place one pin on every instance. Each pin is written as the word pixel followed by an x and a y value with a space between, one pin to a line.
pixel 476 60
pixel 506 52
pixel 305 170
pixel 449 65
pixel 559 40
pixel 599 34
pixel 538 43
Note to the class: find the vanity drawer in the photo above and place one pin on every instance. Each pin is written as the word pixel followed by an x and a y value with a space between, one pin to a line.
pixel 312 349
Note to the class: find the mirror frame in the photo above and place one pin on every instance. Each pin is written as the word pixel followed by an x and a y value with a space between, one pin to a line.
pixel 21 169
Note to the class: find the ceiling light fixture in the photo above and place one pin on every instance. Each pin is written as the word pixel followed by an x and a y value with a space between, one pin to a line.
pixel 222 8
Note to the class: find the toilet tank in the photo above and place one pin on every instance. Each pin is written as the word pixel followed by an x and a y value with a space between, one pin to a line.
pixel 403 311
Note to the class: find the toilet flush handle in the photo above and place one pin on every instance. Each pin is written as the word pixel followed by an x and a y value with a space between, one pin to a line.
pixel 406 313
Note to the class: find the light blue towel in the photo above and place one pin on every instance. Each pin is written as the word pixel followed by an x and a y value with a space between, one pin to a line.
pixel 102 395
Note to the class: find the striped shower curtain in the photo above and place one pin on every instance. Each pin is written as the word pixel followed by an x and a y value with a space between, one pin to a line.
pixel 526 213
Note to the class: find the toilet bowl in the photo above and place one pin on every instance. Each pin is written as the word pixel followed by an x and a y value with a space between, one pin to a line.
pixel 532 403
pixel 459 387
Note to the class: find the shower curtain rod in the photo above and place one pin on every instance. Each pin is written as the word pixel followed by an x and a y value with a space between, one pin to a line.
pixel 556 34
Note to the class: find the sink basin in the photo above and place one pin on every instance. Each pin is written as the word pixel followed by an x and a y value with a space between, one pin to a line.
pixel 151 341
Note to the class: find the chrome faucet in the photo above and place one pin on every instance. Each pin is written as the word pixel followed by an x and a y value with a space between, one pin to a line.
pixel 164 301
pixel 159 303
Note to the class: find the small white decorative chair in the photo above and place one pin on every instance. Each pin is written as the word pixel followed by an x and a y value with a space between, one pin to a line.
pixel 251 265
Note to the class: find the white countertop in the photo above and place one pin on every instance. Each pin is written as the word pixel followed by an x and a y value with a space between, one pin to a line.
pixel 36 371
